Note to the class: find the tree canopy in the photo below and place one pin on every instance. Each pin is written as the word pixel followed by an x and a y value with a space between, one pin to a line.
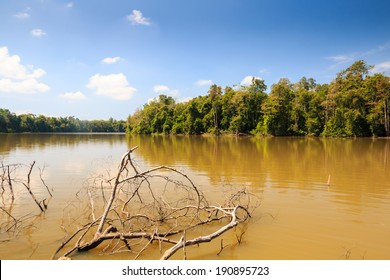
pixel 10 122
pixel 353 104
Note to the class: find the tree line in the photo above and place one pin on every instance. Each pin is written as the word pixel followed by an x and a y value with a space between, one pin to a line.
pixel 10 122
pixel 355 103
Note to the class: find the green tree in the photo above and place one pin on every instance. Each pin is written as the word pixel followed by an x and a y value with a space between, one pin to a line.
pixel 215 98
pixel 227 108
pixel 4 120
pixel 27 123
pixel 193 118
pixel 178 118
pixel 378 97
pixel 40 124
pixel 257 96
pixel 278 109
pixel 347 99
pixel 306 109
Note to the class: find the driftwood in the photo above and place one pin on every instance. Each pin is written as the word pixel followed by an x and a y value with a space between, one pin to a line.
pixel 159 206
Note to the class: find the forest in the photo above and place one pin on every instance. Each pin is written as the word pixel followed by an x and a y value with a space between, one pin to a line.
pixel 10 122
pixel 354 104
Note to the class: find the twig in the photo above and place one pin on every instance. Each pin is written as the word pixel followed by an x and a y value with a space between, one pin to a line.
pixel 12 217
pixel 184 246
pixel 92 204
pixel 10 184
pixel 222 247
pixel 29 189
pixel 43 181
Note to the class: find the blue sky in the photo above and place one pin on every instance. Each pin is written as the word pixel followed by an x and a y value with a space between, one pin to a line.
pixel 101 59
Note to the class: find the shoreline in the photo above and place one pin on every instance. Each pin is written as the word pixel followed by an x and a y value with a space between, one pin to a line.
pixel 224 134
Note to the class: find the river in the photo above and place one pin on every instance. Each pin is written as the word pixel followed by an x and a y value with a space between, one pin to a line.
pixel 320 198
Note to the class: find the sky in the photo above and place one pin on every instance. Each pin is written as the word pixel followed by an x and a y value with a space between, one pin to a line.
pixel 102 59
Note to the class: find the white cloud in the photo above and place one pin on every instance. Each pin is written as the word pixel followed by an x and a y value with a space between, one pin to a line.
pixel 204 83
pixel 163 89
pixel 10 67
pixel 160 89
pixel 114 86
pixel 247 81
pixel 111 60
pixel 137 18
pixel 69 5
pixel 15 77
pixel 28 86
pixel 38 32
pixel 376 50
pixel 381 67
pixel 341 58
pixel 349 58
pixel 264 71
pixel 73 96
pixel 22 15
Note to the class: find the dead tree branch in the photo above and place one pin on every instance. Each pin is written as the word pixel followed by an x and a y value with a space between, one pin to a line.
pixel 161 204
pixel 12 221
pixel 43 181
pixel 207 238
pixel 10 183
pixel 27 185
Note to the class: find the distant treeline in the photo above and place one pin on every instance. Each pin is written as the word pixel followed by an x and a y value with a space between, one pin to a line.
pixel 10 122
pixel 353 104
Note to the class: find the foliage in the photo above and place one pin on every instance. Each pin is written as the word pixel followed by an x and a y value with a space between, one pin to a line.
pixel 10 122
pixel 353 104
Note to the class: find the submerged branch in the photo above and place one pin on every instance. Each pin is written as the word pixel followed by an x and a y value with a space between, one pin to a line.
pixel 145 206
pixel 12 222
pixel 202 239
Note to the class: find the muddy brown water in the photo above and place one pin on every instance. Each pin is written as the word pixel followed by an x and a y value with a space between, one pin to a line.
pixel 320 198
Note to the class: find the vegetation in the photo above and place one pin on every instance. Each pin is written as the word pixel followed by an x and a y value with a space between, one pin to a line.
pixel 10 122
pixel 353 104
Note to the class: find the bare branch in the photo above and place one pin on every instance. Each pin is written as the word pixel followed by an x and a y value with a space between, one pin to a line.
pixel 10 184
pixel 203 239
pixel 43 181
pixel 10 175
pixel 161 204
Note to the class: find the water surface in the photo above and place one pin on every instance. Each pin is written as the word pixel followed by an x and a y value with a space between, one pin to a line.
pixel 320 198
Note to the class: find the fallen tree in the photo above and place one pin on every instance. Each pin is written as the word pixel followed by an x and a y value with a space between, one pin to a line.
pixel 133 209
